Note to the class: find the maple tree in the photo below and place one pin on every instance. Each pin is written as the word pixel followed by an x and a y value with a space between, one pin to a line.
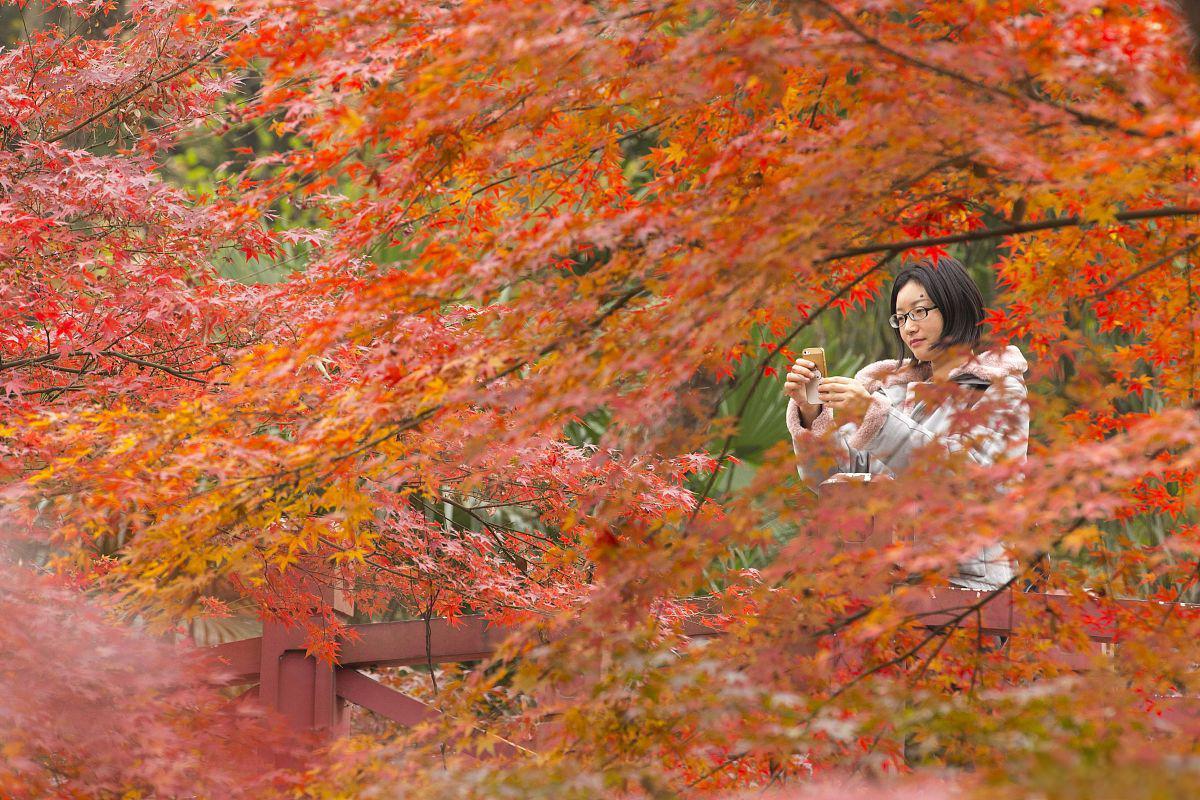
pixel 553 254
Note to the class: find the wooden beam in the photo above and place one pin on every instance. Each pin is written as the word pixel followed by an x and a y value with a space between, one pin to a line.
pixel 469 638
pixel 1011 611
pixel 240 661
pixel 472 638
pixel 402 643
pixel 383 700
pixel 369 693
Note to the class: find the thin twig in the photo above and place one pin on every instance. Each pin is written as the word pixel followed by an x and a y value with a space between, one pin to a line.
pixel 1074 221
pixel 175 73
pixel 1086 118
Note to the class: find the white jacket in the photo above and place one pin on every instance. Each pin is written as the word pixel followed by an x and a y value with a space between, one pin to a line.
pixel 897 423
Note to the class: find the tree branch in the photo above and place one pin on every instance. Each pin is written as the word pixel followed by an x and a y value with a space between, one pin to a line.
pixel 114 105
pixel 1075 221
pixel 1190 10
pixel 1083 117
pixel 141 362
pixel 1167 259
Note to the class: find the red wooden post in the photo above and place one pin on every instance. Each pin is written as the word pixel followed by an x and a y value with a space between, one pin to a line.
pixel 303 689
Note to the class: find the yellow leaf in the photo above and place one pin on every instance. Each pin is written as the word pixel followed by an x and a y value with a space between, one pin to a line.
pixel 673 153
pixel 1079 537
pixel 1100 213
pixel 353 120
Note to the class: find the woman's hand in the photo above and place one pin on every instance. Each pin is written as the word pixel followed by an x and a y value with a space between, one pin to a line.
pixel 845 394
pixel 799 374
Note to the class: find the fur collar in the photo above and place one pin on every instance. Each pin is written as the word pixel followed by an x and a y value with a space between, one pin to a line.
pixel 991 366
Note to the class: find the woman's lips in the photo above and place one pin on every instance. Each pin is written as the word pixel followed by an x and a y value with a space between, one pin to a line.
pixel 915 342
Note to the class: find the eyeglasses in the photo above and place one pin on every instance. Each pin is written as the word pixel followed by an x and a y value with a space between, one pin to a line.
pixel 916 315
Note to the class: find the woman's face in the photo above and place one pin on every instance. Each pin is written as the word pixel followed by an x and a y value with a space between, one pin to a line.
pixel 920 336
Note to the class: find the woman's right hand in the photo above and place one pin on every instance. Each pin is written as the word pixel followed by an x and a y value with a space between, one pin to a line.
pixel 799 374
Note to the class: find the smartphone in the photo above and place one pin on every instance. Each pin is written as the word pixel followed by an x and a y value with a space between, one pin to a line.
pixel 817 356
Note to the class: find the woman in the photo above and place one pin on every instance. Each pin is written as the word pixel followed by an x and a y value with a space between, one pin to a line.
pixel 881 419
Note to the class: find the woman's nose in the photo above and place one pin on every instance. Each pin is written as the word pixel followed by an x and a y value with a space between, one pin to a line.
pixel 910 324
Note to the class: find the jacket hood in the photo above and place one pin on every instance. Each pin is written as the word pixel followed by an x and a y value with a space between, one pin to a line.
pixel 990 365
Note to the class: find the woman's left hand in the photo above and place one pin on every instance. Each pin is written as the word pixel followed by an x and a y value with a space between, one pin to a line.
pixel 845 394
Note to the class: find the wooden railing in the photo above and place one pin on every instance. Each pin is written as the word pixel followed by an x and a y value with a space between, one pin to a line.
pixel 311 694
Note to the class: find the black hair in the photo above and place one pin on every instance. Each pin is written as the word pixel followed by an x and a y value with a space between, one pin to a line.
pixel 954 293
